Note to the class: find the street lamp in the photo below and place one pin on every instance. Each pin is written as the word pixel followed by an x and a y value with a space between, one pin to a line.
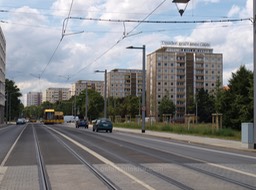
pixel 183 3
pixel 254 73
pixel 143 83
pixel 105 91
pixel 86 101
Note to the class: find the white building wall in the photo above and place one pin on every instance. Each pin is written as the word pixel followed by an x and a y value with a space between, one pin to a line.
pixel 2 74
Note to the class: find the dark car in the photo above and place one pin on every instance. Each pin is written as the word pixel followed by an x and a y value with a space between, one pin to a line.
pixel 82 123
pixel 103 124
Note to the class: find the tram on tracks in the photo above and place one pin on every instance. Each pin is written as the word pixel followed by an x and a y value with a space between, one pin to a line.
pixel 49 116
pixel 58 117
pixel 53 117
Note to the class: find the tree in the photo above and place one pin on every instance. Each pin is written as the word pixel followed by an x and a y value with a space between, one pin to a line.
pixel 96 104
pixel 218 94
pixel 237 102
pixel 32 112
pixel 166 106
pixel 13 108
pixel 205 106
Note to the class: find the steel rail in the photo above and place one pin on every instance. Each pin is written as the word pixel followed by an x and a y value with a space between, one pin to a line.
pixel 211 174
pixel 144 168
pixel 44 179
pixel 96 172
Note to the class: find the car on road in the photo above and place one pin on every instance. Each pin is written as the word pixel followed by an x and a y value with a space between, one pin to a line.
pixel 20 121
pixel 82 123
pixel 102 124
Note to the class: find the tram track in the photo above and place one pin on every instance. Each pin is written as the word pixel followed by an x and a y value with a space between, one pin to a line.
pixel 43 176
pixel 163 159
pixel 96 172
pixel 87 159
pixel 145 169
pixel 208 173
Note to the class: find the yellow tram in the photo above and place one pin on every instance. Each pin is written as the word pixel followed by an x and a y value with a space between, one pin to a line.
pixel 49 116
pixel 53 117
pixel 58 117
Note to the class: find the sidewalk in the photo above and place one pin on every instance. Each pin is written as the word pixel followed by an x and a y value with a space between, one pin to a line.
pixel 190 139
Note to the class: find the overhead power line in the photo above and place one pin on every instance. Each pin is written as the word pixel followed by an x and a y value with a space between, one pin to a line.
pixel 162 22
pixel 125 35
pixel 62 36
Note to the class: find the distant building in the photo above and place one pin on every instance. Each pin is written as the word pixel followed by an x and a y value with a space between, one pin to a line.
pixel 179 70
pixel 34 98
pixel 2 75
pixel 56 94
pixel 124 82
pixel 80 85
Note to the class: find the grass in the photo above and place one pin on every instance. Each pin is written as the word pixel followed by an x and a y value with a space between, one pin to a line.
pixel 205 130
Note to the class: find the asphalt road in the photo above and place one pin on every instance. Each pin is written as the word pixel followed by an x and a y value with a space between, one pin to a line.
pixel 72 158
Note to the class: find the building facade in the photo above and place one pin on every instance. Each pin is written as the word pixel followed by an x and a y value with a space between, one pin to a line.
pixel 80 85
pixel 34 98
pixel 124 82
pixel 178 70
pixel 2 75
pixel 57 94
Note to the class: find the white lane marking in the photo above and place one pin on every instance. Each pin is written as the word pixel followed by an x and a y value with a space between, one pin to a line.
pixel 203 161
pixel 211 164
pixel 11 149
pixel 232 169
pixel 198 148
pixel 105 160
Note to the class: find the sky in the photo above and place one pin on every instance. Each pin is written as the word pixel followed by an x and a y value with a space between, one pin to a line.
pixel 45 49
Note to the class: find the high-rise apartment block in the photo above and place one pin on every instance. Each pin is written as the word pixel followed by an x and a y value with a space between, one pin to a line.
pixel 178 70
pixel 34 98
pixel 2 74
pixel 80 85
pixel 57 94
pixel 124 82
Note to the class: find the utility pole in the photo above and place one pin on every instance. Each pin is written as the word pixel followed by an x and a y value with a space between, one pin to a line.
pixel 254 72
pixel 86 102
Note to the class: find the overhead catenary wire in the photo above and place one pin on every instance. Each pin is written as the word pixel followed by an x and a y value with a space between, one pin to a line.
pixel 164 22
pixel 62 36
pixel 153 22
pixel 122 38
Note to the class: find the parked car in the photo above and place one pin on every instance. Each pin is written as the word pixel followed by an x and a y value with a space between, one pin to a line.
pixel 102 124
pixel 20 121
pixel 82 123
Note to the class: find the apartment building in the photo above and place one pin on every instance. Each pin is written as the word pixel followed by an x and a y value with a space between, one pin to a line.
pixel 2 75
pixel 179 70
pixel 124 82
pixel 80 85
pixel 57 94
pixel 34 98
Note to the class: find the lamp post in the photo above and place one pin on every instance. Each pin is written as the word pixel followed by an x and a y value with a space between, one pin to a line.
pixel 254 73
pixel 184 4
pixel 143 48
pixel 86 101
pixel 105 91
